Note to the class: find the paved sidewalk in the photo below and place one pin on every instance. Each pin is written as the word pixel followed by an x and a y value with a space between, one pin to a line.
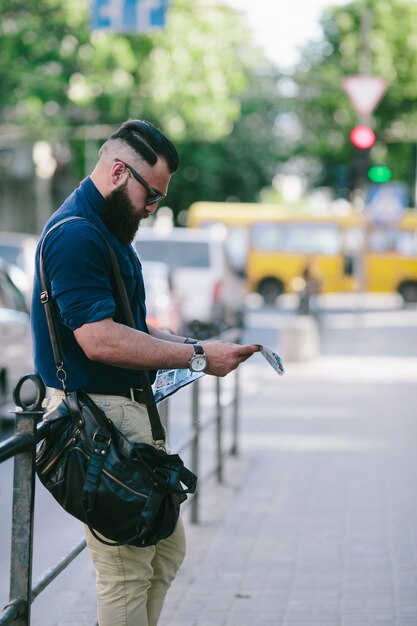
pixel 323 528
pixel 316 524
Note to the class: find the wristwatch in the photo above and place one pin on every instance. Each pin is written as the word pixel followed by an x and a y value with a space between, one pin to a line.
pixel 198 361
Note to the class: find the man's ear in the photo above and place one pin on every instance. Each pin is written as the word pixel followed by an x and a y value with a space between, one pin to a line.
pixel 118 173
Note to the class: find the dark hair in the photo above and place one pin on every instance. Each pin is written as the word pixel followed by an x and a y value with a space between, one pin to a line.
pixel 149 142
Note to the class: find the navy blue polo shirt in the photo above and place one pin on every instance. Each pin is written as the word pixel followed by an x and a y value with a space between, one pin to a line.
pixel 78 273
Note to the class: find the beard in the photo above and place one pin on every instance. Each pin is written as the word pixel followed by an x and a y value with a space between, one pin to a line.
pixel 119 215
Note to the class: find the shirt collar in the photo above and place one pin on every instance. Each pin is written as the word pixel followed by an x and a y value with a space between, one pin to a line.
pixel 91 195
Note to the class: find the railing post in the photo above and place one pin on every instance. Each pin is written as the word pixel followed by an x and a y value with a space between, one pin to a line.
pixel 234 450
pixel 22 521
pixel 219 429
pixel 195 449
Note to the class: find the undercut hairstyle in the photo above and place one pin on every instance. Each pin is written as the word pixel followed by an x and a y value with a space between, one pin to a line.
pixel 148 142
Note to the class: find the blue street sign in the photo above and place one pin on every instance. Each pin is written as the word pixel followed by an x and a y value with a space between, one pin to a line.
pixel 386 202
pixel 128 16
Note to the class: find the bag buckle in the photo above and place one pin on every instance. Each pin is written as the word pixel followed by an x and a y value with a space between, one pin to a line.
pixel 101 439
pixel 101 442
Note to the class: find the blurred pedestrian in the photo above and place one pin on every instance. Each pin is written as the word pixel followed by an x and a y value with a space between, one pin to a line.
pixel 310 289
pixel 102 354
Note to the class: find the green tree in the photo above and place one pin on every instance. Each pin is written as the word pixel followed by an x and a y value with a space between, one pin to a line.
pixel 324 112
pixel 240 164
pixel 197 79
pixel 39 55
pixel 55 71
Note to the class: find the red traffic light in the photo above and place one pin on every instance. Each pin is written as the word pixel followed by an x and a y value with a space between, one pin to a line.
pixel 362 137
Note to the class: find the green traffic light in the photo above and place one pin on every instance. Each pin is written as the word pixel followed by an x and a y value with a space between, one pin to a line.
pixel 379 174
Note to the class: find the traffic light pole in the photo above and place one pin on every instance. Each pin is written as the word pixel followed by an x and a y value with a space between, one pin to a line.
pixel 415 175
pixel 365 91
pixel 365 69
pixel 362 155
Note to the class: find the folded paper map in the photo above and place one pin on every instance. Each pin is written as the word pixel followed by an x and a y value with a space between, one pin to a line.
pixel 168 382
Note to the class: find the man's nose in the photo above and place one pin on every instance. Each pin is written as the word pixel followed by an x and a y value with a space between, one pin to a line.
pixel 151 208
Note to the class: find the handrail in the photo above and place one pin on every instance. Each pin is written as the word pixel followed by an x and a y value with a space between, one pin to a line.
pixel 20 442
pixel 54 571
pixel 22 447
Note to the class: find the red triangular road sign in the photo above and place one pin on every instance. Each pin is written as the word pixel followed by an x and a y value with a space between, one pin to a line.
pixel 364 92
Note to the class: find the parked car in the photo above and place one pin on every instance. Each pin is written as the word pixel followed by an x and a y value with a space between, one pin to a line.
pixel 15 338
pixel 210 294
pixel 18 250
pixel 162 305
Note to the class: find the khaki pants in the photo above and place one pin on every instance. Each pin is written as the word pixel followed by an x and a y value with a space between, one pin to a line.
pixel 131 582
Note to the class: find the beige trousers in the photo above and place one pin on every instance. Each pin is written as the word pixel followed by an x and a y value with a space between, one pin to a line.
pixel 131 582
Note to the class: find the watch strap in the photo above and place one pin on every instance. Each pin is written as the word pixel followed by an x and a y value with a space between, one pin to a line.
pixel 191 340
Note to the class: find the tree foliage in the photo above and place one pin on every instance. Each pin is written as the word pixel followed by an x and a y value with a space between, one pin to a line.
pixel 324 113
pixel 240 164
pixel 195 79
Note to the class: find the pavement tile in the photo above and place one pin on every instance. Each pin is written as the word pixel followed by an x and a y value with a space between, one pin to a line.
pixel 324 545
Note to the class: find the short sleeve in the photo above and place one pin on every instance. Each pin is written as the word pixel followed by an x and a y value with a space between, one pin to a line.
pixel 78 267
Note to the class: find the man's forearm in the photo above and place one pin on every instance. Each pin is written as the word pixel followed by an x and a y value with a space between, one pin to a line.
pixel 108 342
pixel 116 344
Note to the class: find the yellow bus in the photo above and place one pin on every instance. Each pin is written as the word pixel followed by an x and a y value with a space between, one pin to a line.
pixel 391 257
pixel 284 250
pixel 275 247
pixel 328 249
pixel 236 217
pixel 203 214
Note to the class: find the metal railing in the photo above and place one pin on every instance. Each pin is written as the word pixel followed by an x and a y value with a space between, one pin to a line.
pixel 22 446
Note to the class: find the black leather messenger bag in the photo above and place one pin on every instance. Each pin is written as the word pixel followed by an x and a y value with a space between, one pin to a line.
pixel 129 493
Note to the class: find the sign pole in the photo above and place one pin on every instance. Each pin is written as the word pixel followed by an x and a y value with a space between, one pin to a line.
pixel 415 175
pixel 364 91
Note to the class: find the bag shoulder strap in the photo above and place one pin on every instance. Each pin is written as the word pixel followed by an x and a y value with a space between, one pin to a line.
pixel 158 432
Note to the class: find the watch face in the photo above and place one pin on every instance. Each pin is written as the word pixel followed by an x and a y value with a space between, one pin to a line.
pixel 198 363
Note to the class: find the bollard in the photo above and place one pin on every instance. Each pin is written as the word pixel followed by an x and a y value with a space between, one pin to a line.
pixel 300 339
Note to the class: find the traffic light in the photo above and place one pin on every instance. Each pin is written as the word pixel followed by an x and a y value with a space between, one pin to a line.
pixel 379 174
pixel 362 137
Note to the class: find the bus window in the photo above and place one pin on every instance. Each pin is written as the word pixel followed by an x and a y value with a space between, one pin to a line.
pixel 298 238
pixel 268 237
pixel 381 240
pixel 406 242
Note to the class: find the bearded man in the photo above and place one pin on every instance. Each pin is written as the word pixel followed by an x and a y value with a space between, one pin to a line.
pixel 102 355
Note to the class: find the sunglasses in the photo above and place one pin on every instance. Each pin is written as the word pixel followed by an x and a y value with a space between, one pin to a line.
pixel 153 195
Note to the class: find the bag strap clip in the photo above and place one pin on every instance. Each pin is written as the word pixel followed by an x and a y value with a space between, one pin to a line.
pixel 103 439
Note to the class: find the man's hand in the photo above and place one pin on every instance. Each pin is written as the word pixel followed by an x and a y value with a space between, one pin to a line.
pixel 223 357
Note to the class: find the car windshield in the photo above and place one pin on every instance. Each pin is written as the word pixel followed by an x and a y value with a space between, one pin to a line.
pixel 10 296
pixel 175 253
pixel 10 253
